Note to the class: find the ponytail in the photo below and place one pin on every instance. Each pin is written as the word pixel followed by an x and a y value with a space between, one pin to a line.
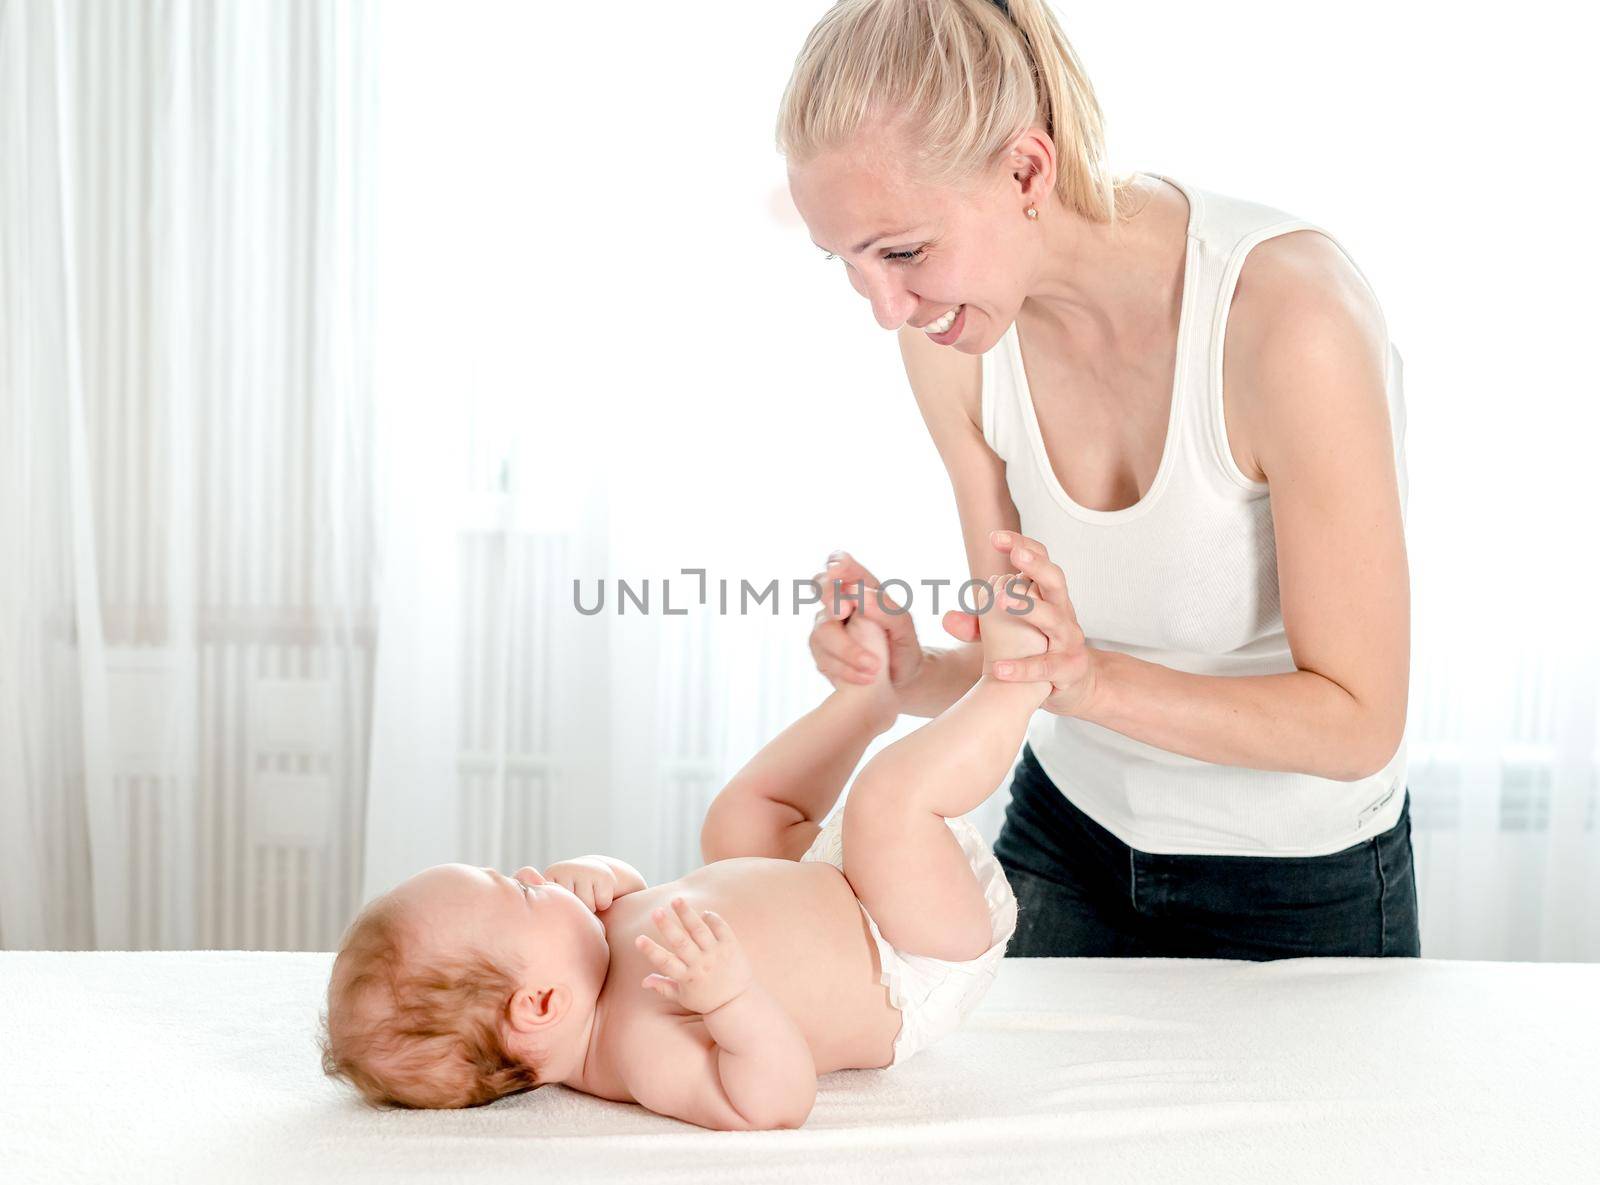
pixel 955 81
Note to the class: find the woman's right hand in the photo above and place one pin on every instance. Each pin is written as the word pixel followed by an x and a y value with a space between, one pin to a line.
pixel 837 655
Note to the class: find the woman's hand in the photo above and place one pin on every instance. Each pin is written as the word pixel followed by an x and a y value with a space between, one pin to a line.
pixel 1069 662
pixel 592 881
pixel 842 659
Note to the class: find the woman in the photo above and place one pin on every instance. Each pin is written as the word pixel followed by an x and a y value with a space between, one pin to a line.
pixel 1179 413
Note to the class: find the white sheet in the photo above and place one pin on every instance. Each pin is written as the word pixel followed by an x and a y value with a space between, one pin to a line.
pixel 201 1066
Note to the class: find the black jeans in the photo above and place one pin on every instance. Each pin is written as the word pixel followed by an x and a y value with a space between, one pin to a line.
pixel 1082 891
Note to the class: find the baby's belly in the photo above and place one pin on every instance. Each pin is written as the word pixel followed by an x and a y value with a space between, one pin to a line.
pixel 807 941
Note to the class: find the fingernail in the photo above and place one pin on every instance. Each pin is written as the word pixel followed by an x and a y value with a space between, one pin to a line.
pixel 1022 554
pixel 1002 537
pixel 1002 668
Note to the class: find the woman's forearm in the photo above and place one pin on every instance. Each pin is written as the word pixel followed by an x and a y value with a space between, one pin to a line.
pixel 946 676
pixel 1297 721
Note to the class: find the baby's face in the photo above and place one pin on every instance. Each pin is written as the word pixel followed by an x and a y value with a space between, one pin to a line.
pixel 525 920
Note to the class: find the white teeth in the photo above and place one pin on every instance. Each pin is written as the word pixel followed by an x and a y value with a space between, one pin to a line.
pixel 943 324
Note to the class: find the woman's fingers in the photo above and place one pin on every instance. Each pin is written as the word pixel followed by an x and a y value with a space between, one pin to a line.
pixel 1032 561
pixel 848 573
pixel 1008 541
pixel 963 626
pixel 1040 668
pixel 837 657
pixel 1047 577
pixel 878 606
pixel 905 648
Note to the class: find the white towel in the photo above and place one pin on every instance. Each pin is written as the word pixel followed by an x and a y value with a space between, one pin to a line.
pixel 202 1066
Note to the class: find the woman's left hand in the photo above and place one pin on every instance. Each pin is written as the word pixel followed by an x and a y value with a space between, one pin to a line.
pixel 1069 664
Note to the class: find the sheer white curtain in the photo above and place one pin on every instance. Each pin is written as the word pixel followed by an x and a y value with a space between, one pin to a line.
pixel 338 341
pixel 185 617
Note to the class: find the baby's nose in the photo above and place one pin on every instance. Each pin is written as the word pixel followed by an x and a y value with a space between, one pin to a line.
pixel 530 874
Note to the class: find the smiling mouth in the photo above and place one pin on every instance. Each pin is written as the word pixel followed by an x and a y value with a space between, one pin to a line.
pixel 943 324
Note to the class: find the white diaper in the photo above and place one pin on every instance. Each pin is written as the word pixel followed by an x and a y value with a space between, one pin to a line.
pixel 934 995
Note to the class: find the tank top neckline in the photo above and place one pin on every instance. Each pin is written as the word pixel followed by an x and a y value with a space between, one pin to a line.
pixel 1169 450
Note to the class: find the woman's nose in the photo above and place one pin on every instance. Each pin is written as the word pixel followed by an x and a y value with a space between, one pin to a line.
pixel 891 306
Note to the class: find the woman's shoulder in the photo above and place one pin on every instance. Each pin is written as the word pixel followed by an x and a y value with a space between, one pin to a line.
pixel 1302 311
pixel 1291 283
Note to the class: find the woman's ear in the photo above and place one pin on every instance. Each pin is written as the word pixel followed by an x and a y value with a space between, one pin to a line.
pixel 1033 165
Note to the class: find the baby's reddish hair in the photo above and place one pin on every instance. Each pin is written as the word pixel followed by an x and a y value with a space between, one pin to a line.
pixel 417 1032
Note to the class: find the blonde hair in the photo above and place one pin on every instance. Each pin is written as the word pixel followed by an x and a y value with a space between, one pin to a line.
pixel 417 1033
pixel 956 81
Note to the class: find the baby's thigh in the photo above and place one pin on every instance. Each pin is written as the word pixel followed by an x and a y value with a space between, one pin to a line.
pixel 911 873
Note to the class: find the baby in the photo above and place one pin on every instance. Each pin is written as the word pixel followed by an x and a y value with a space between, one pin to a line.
pixel 717 998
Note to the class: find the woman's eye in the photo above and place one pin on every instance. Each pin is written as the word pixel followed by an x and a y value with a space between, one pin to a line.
pixel 897 256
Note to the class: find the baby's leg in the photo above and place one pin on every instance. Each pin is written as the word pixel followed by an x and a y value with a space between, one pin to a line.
pixel 899 854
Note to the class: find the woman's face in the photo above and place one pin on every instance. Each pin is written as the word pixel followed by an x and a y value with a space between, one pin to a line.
pixel 916 252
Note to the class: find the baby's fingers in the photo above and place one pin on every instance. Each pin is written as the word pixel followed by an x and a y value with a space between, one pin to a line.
pixel 671 928
pixel 660 985
pixel 692 923
pixel 660 956
pixel 720 930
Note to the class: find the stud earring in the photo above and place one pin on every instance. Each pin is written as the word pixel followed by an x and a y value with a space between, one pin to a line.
pixel 1031 212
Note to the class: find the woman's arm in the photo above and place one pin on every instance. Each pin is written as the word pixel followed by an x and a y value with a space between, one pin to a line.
pixel 948 389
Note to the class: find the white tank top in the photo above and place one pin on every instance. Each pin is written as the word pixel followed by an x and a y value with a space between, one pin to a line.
pixel 1187 578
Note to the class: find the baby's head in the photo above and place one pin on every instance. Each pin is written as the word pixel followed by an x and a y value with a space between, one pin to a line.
pixel 462 985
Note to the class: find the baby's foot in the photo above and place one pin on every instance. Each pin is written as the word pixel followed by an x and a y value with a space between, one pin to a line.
pixel 878 697
pixel 1011 634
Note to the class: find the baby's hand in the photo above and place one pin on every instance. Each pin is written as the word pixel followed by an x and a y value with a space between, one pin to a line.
pixel 1005 630
pixel 592 881
pixel 706 966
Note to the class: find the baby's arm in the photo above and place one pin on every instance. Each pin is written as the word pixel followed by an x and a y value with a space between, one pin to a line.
pixel 677 1066
pixel 775 804
pixel 756 1070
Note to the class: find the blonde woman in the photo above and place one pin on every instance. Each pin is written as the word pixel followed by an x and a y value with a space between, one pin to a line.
pixel 1179 414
